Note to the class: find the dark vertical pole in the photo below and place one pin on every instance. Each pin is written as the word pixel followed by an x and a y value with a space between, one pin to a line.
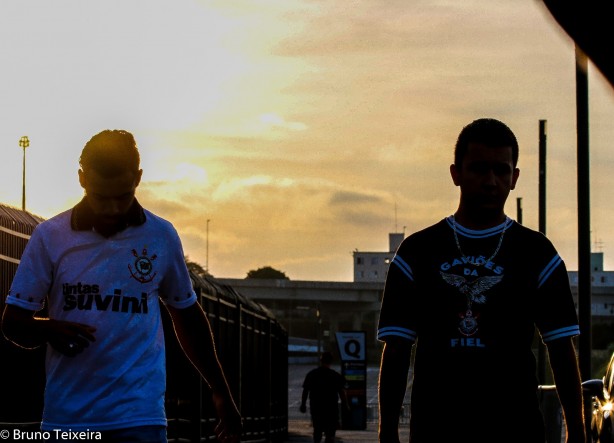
pixel 584 232
pixel 207 248
pixel 541 350
pixel 319 328
pixel 584 246
pixel 542 176
pixel 519 210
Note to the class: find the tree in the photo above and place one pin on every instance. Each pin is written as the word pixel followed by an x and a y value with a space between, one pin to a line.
pixel 267 272
pixel 196 268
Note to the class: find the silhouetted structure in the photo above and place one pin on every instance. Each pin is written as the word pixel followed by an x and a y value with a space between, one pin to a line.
pixel 21 385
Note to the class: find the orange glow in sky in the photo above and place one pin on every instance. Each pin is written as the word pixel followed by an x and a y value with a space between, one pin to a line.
pixel 302 130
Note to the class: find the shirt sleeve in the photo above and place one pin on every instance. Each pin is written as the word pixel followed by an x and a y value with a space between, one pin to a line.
pixel 34 276
pixel 556 315
pixel 176 287
pixel 399 294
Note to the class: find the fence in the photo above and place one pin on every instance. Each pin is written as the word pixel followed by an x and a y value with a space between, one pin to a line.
pixel 22 385
pixel 253 349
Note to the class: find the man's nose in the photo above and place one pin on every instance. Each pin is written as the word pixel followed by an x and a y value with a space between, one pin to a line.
pixel 490 178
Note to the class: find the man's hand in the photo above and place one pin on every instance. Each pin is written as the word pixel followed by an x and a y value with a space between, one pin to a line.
pixel 67 337
pixel 229 428
pixel 24 329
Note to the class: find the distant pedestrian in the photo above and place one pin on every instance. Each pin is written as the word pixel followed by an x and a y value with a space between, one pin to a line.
pixel 324 387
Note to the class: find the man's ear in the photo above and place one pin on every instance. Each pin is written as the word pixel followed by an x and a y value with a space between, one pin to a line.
pixel 454 173
pixel 515 176
pixel 139 174
pixel 82 178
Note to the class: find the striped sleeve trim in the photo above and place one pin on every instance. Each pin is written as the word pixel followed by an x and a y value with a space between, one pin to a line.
pixel 569 331
pixel 404 267
pixel 396 331
pixel 548 270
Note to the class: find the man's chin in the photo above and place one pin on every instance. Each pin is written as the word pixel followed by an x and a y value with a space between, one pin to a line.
pixel 107 228
pixel 487 210
pixel 486 204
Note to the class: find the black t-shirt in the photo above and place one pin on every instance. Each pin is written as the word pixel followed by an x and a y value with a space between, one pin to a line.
pixel 471 301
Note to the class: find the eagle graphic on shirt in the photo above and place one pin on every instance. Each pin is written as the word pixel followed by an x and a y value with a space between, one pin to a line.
pixel 474 289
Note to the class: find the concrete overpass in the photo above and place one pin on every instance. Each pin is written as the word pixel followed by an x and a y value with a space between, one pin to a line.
pixel 318 309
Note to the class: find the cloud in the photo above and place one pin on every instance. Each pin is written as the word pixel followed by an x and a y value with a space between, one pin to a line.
pixel 344 198
pixel 302 129
pixel 262 220
pixel 271 120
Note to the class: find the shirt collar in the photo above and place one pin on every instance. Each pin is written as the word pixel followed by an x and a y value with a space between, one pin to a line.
pixel 82 218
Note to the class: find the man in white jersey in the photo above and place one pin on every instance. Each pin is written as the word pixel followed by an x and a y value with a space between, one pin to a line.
pixel 468 293
pixel 102 268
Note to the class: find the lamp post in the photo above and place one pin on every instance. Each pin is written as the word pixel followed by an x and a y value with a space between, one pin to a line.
pixel 24 142
pixel 207 262
pixel 319 328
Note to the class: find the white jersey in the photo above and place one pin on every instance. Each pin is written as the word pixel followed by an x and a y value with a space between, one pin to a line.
pixel 113 284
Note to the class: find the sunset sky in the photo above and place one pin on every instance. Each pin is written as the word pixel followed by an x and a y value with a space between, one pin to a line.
pixel 302 129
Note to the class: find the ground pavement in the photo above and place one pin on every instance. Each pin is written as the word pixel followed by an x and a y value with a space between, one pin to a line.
pixel 299 424
pixel 299 431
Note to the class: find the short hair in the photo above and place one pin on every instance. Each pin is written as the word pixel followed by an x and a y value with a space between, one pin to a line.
pixel 489 131
pixel 110 153
pixel 326 358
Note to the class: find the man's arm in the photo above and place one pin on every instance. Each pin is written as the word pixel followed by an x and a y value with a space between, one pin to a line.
pixel 344 399
pixel 21 327
pixel 394 369
pixel 567 378
pixel 194 333
pixel 304 396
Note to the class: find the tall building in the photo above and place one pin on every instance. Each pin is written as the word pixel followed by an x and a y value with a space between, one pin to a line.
pixel 602 288
pixel 372 266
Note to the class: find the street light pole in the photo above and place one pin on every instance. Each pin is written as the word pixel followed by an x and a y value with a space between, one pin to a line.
pixel 207 261
pixel 24 142
pixel 319 328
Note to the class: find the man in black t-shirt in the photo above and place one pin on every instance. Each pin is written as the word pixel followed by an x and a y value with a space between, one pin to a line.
pixel 469 292
pixel 324 386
